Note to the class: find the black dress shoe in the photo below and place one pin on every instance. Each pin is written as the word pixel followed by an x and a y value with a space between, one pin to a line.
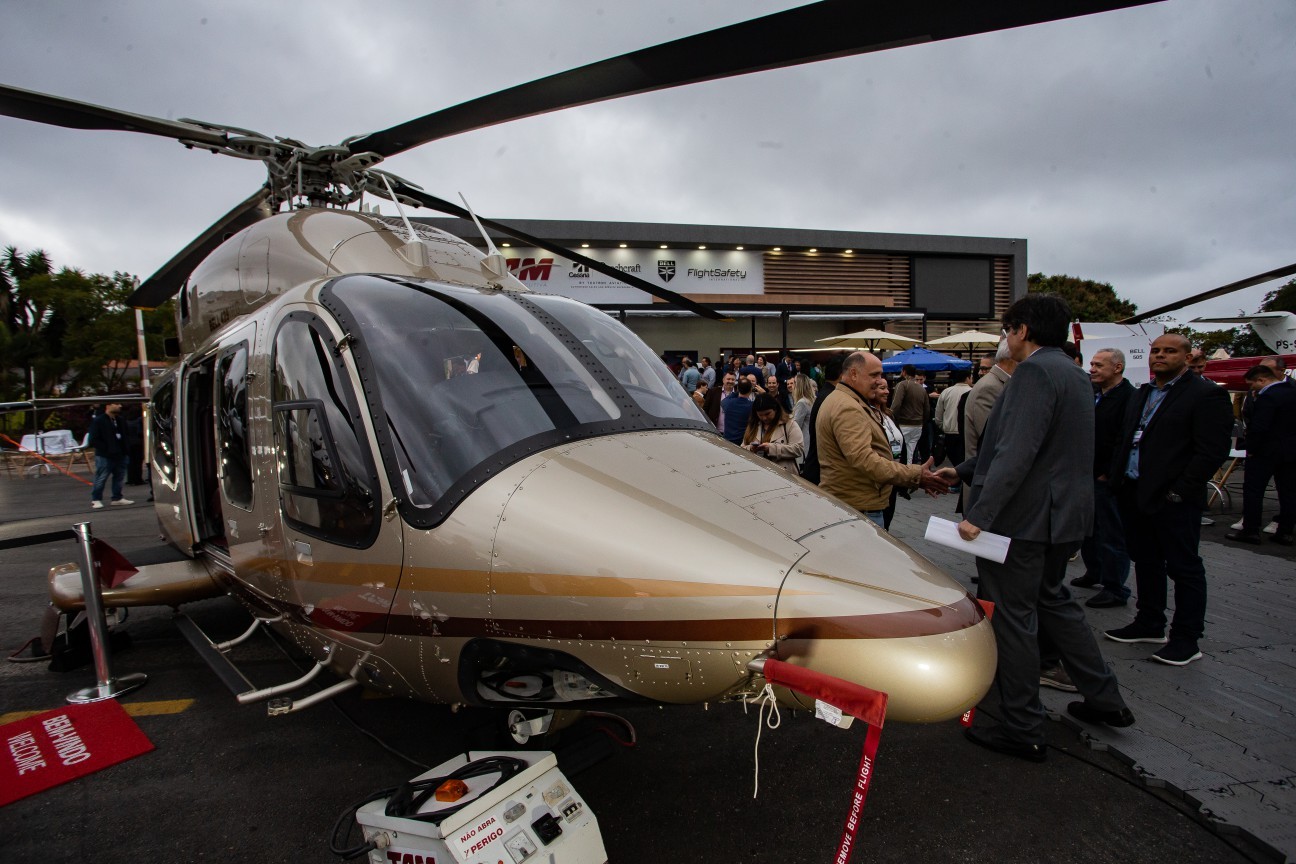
pixel 1089 714
pixel 994 739
pixel 1085 581
pixel 1252 537
pixel 1104 599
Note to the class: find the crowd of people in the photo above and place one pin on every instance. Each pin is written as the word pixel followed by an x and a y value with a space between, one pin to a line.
pixel 1059 461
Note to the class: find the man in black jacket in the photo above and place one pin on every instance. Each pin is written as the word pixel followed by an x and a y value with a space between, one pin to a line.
pixel 1175 435
pixel 1106 561
pixel 1271 452
pixel 810 465
pixel 108 438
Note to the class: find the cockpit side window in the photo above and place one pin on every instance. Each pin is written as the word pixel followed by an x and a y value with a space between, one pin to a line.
pixel 462 383
pixel 327 482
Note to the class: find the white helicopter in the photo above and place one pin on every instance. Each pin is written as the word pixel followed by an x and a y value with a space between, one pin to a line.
pixel 442 486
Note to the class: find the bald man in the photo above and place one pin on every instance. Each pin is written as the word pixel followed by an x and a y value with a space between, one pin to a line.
pixel 1175 435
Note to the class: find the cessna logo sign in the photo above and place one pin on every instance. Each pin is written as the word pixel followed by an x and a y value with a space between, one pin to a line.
pixel 666 270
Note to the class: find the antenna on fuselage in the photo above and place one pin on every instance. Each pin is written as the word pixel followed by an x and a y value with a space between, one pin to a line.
pixel 415 251
pixel 494 264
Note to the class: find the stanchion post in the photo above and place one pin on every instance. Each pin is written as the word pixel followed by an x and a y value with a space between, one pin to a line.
pixel 107 687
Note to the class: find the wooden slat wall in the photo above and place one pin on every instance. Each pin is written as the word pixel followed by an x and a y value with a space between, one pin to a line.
pixel 869 279
pixel 876 280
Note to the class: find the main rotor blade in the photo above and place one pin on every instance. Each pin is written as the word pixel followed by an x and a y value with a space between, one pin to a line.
pixel 57 111
pixel 679 300
pixel 819 31
pixel 1259 279
pixel 164 284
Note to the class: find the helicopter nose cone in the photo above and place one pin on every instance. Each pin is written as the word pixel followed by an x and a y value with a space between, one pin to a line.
pixel 862 607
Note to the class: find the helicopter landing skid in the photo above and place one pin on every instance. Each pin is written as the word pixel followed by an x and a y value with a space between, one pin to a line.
pixel 213 654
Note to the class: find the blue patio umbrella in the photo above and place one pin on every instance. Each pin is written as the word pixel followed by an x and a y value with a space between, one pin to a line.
pixel 924 360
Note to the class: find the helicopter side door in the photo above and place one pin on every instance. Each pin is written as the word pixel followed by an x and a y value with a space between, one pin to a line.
pixel 341 558
pixel 170 488
pixel 200 458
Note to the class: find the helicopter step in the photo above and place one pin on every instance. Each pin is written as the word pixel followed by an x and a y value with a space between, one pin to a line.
pixel 213 654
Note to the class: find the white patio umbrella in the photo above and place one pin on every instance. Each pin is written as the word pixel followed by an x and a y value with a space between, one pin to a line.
pixel 968 338
pixel 869 340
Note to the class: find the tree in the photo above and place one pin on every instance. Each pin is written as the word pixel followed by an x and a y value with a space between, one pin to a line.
pixel 73 333
pixel 1089 300
pixel 1280 299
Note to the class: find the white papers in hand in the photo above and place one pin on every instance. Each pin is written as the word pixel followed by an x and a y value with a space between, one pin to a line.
pixel 992 547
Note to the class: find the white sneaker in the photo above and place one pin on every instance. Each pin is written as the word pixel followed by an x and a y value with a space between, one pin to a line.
pixel 96 505
pixel 121 502
pixel 1271 528
pixel 1237 526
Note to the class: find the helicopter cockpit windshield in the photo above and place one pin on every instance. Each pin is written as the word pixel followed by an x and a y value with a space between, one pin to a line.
pixel 462 383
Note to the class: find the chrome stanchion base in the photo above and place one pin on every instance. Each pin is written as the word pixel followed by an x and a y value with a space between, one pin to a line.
pixel 115 687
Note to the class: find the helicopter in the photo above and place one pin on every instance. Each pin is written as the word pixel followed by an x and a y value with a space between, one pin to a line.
pixel 443 486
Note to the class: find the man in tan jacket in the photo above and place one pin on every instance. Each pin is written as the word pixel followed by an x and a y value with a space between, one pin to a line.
pixel 855 459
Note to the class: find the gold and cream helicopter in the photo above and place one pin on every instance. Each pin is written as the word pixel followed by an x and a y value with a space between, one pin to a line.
pixel 443 486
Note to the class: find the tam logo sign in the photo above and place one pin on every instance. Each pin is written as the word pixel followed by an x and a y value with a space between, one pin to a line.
pixel 530 269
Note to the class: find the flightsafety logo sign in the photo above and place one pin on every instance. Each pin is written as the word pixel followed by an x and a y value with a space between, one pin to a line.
pixel 687 271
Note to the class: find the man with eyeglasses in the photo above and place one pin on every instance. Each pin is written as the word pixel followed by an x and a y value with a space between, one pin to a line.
pixel 1031 481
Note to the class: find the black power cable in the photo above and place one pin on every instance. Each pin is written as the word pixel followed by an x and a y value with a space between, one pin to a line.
pixel 411 796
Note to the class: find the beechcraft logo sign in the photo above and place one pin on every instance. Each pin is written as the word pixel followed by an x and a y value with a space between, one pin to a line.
pixel 666 270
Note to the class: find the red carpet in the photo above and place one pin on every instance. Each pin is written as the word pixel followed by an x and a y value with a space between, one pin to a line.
pixel 50 749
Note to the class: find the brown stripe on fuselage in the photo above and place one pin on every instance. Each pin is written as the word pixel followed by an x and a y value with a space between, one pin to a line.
pixel 886 625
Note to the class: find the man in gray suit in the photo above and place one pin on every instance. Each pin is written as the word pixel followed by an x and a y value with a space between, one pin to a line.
pixel 1031 480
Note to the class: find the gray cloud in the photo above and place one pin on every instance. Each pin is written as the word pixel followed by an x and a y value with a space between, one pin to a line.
pixel 1149 147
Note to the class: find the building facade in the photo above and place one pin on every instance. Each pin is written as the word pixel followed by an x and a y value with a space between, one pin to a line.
pixel 781 288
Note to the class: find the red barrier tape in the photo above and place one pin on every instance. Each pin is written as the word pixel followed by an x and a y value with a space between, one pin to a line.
pixel 966 720
pixel 41 457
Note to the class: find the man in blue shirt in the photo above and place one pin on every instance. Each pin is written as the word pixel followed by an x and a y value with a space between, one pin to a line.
pixel 737 410
pixel 1175 435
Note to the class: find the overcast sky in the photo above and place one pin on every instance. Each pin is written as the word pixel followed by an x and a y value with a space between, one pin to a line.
pixel 1152 148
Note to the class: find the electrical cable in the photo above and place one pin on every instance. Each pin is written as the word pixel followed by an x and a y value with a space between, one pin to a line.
pixel 605 715
pixel 348 816
pixel 410 796
pixel 274 638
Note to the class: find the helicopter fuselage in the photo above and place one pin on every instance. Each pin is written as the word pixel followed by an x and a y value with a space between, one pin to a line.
pixel 455 490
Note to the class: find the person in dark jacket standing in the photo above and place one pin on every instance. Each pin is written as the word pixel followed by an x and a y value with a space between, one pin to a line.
pixel 1175 435
pixel 1107 563
pixel 810 465
pixel 1031 480
pixel 1271 453
pixel 108 438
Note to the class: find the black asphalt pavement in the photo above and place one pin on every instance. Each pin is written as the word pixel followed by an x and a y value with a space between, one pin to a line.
pixel 227 783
